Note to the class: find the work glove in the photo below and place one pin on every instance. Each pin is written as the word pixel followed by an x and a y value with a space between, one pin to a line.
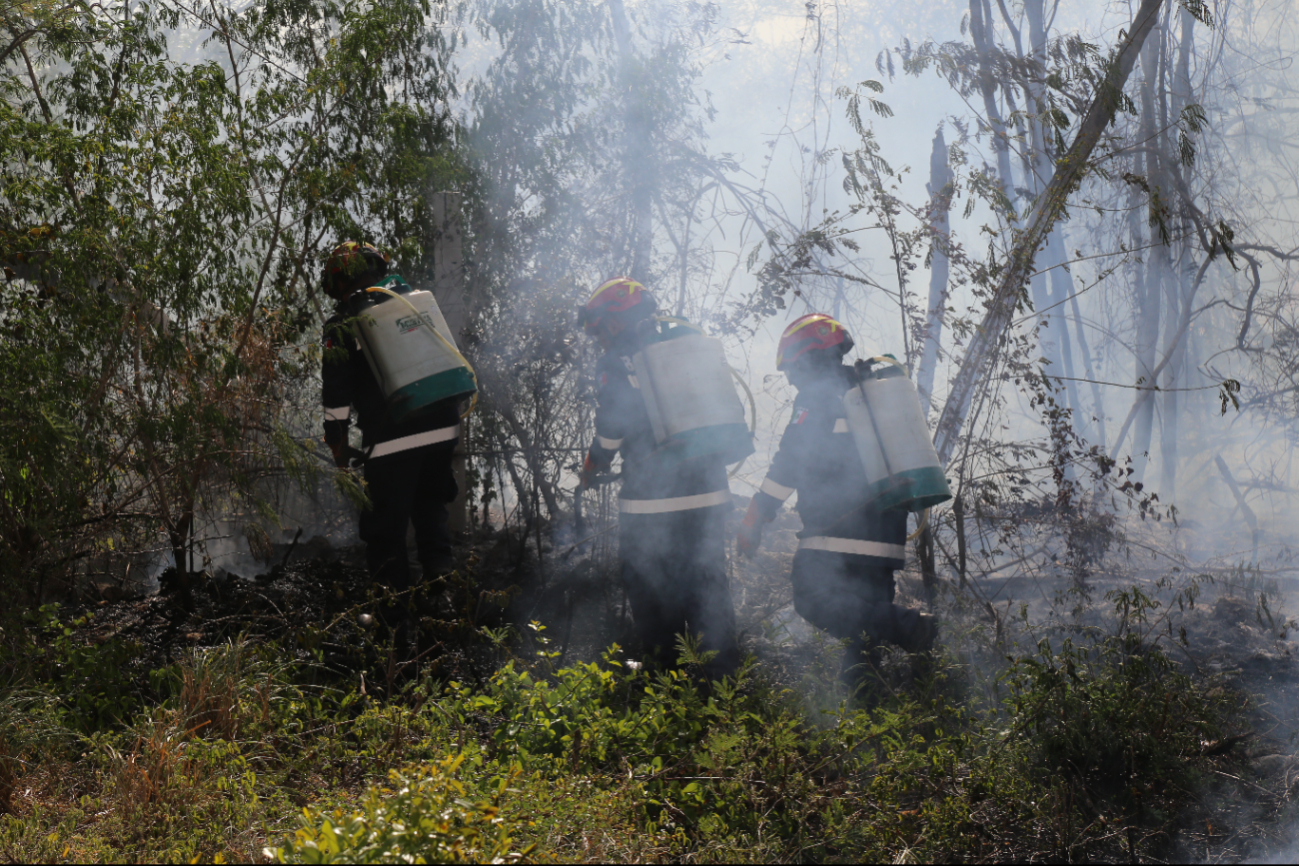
pixel 345 456
pixel 749 538
pixel 586 478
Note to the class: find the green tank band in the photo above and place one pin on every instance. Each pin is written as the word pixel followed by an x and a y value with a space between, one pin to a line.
pixel 431 391
pixel 912 490
pixel 730 443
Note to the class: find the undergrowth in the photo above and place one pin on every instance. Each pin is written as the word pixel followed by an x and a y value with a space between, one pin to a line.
pixel 1090 746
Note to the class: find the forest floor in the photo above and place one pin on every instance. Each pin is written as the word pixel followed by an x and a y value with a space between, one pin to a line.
pixel 261 717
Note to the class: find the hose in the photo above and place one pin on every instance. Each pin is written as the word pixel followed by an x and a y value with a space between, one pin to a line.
pixel 890 360
pixel 920 527
pixel 753 406
pixel 473 400
pixel 753 414
pixel 674 320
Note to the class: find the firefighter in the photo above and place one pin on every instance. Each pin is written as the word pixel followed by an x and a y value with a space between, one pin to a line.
pixel 672 516
pixel 407 464
pixel 848 549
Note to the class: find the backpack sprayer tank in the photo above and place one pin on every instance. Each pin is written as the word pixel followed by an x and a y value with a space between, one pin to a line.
pixel 888 427
pixel 411 350
pixel 690 395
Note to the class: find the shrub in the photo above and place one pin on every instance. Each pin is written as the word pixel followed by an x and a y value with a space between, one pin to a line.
pixel 93 686
pixel 1110 732
pixel 421 817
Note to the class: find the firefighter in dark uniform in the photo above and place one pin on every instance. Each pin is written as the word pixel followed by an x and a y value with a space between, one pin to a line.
pixel 847 550
pixel 407 465
pixel 672 516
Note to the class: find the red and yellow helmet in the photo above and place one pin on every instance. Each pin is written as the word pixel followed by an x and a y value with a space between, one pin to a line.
pixel 349 261
pixel 617 302
pixel 813 332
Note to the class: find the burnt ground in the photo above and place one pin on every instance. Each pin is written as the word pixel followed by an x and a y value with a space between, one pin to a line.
pixel 313 597
pixel 536 592
pixel 318 601
pixel 1245 643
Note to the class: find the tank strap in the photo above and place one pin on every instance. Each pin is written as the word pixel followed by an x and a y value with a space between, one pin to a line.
pixel 677 503
pixel 840 425
pixel 854 546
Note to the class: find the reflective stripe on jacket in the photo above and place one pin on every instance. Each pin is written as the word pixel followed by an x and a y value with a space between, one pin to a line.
pixel 652 481
pixel 676 503
pixel 347 383
pixel 818 460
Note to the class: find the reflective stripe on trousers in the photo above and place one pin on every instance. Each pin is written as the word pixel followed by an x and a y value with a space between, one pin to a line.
pixel 416 440
pixel 678 503
pixel 854 546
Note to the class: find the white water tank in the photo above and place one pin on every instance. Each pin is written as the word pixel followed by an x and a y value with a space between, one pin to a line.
pixel 862 428
pixel 690 396
pixel 415 369
pixel 888 426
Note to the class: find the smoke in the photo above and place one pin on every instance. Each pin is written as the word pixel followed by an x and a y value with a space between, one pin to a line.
pixel 548 101
pixel 706 150
pixel 753 162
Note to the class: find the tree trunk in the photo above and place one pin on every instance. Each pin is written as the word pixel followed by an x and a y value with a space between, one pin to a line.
pixel 1148 301
pixel 1184 284
pixel 1250 518
pixel 1147 337
pixel 980 33
pixel 1175 294
pixel 940 198
pixel 1046 212
pixel 928 566
pixel 1052 287
pixel 443 242
pixel 637 128
pixel 1180 291
pixel 1097 436
pixel 1062 293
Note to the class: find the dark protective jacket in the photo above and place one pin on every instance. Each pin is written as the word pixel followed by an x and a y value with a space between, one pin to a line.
pixel 817 458
pixel 672 523
pixel 348 384
pixel 650 483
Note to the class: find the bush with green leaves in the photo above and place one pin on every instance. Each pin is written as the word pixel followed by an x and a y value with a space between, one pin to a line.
pixel 426 815
pixel 1112 724
pixel 587 715
pixel 90 687
pixel 173 175
pixel 1090 748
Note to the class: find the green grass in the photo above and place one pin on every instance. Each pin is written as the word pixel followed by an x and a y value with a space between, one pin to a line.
pixel 1080 749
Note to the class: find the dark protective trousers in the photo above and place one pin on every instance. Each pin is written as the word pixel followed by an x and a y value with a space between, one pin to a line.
pixel 674 571
pixel 410 487
pixel 833 591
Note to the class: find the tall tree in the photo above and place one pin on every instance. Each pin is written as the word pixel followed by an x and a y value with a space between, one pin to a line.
pixel 161 227
pixel 1050 206
pixel 941 189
